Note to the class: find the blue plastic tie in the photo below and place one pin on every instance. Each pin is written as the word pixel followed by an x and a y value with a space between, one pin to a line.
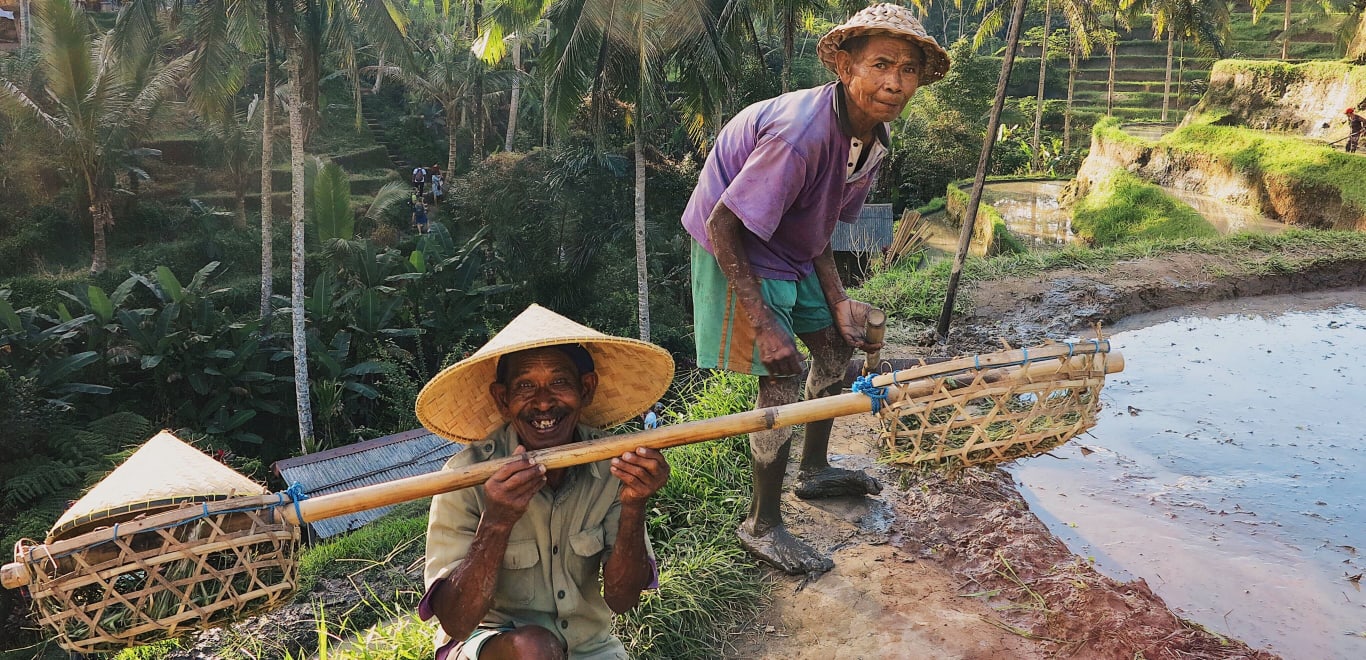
pixel 1070 348
pixel 1026 356
pixel 116 531
pixel 297 494
pixel 864 385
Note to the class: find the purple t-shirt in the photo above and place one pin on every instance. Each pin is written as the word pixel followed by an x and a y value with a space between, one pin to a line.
pixel 780 165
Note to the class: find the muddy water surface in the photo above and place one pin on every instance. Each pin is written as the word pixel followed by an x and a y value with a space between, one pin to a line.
pixel 1228 470
pixel 1031 211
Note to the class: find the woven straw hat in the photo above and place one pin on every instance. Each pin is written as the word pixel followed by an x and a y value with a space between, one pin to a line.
pixel 891 20
pixel 163 473
pixel 632 375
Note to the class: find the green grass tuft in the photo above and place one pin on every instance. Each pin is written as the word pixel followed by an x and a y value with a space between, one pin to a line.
pixel 1121 207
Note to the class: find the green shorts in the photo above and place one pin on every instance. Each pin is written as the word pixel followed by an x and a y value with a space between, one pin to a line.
pixel 725 339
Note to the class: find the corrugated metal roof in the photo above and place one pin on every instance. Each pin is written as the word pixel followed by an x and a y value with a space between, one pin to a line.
pixel 871 233
pixel 362 464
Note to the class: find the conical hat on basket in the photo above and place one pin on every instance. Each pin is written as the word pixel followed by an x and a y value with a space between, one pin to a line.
pixel 891 20
pixel 632 375
pixel 163 473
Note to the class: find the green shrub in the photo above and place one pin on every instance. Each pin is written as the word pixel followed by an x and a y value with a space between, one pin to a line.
pixel 1122 207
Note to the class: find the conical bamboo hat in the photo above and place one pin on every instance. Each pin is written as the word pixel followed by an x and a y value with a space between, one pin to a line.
pixel 163 473
pixel 632 376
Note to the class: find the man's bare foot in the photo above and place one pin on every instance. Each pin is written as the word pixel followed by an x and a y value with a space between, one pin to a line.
pixel 834 482
pixel 784 551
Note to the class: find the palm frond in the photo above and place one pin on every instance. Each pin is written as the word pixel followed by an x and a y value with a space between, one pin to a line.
pixel 14 102
pixel 215 70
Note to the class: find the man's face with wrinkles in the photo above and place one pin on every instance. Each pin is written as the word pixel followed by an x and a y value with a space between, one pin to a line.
pixel 543 395
pixel 880 76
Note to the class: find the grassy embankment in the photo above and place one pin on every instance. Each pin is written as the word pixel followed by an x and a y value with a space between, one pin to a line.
pixel 989 233
pixel 1296 173
pixel 1122 207
pixel 708 585
pixel 915 296
pixel 1298 163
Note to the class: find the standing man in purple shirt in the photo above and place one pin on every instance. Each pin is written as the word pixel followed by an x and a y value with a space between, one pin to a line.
pixel 782 173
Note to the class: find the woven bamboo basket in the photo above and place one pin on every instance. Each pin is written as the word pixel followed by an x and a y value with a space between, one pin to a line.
pixel 975 416
pixel 164 574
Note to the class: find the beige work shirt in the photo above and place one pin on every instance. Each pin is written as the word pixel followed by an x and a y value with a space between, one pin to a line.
pixel 551 574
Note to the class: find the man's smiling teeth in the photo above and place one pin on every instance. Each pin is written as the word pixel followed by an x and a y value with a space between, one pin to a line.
pixel 544 424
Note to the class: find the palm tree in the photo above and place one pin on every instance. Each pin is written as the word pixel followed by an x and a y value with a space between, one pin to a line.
pixel 444 70
pixel 501 30
pixel 787 14
pixel 607 51
pixel 1043 71
pixel 1205 21
pixel 95 105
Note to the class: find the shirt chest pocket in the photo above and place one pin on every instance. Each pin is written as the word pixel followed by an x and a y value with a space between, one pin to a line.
pixel 520 574
pixel 587 547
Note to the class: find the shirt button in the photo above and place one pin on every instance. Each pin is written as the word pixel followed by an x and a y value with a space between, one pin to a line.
pixel 555 550
pixel 564 625
pixel 561 594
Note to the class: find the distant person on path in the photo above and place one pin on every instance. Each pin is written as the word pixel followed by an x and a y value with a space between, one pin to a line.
pixel 419 180
pixel 434 173
pixel 652 418
pixel 1356 124
pixel 782 174
pixel 420 217
pixel 535 562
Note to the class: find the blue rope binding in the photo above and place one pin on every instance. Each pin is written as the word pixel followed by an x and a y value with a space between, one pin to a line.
pixel 296 494
pixel 864 385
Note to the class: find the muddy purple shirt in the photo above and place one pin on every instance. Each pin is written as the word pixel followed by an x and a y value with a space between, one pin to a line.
pixel 782 166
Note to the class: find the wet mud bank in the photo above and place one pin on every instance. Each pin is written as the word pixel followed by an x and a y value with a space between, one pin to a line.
pixel 1060 302
pixel 978 527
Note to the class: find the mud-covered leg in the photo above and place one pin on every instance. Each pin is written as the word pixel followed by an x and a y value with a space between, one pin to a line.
pixel 816 479
pixel 763 533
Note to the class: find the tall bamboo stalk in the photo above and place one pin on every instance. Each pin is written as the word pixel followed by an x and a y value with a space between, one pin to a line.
pixel 983 161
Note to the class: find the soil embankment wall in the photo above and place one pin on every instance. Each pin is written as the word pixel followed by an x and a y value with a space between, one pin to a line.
pixel 1307 99
pixel 1281 177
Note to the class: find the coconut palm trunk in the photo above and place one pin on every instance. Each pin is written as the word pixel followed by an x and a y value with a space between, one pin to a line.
pixel 1285 33
pixel 296 254
pixel 1110 78
pixel 642 270
pixel 983 161
pixel 1167 82
pixel 477 13
pixel 789 39
pixel 267 190
pixel 101 218
pixel 1072 62
pixel 516 97
pixel 452 133
pixel 1043 70
pixel 379 76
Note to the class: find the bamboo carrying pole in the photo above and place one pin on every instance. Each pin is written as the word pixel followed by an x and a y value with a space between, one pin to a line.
pixel 1038 362
pixel 874 329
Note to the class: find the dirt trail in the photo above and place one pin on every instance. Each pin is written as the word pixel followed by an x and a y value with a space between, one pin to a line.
pixel 939 567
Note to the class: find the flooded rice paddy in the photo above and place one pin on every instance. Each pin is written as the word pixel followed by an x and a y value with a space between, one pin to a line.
pixel 1228 470
pixel 1033 214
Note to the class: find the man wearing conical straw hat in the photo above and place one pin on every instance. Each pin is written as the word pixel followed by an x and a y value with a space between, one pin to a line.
pixel 782 173
pixel 535 562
